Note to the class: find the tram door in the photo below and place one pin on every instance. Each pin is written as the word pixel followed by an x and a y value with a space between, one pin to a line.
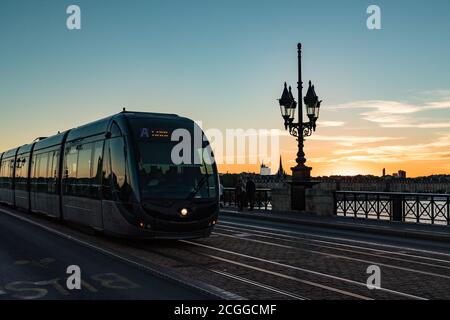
pixel 82 184
pixel 44 194
pixel 116 189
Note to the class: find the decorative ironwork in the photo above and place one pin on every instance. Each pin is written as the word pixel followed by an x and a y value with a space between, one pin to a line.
pixel 404 207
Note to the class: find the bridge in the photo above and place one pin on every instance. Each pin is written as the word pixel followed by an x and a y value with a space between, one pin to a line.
pixel 251 255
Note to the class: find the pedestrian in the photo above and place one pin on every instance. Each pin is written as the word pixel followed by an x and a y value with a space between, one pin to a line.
pixel 240 194
pixel 221 195
pixel 250 189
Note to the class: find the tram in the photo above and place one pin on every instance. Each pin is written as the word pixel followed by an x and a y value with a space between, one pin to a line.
pixel 117 175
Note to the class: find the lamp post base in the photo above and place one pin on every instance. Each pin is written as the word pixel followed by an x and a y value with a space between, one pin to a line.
pixel 301 180
pixel 301 173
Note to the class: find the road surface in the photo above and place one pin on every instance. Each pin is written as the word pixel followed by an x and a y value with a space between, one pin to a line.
pixel 33 265
pixel 244 258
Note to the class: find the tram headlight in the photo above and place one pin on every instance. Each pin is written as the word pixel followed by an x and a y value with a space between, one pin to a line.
pixel 184 212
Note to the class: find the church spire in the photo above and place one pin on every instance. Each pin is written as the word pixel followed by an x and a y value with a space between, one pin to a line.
pixel 280 169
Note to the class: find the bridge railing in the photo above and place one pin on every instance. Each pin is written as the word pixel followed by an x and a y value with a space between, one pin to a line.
pixel 402 207
pixel 263 199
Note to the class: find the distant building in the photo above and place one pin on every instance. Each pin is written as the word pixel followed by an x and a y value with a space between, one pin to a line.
pixel 402 174
pixel 265 170
pixel 384 172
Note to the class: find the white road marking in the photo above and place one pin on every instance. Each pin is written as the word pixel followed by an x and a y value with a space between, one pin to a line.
pixel 320 274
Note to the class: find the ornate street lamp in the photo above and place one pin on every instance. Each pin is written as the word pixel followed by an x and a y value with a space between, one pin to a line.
pixel 301 174
pixel 287 106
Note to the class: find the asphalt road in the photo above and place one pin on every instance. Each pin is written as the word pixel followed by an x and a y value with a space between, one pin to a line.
pixel 33 265
pixel 243 258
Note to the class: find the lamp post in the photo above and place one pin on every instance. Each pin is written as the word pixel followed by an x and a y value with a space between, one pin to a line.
pixel 301 174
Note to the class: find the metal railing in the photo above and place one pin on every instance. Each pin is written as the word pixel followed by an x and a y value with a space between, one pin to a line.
pixel 262 200
pixel 402 207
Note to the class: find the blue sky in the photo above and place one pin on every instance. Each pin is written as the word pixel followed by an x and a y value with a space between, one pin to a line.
pixel 222 62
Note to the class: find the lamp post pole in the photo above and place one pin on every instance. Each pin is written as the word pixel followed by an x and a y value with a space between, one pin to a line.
pixel 301 160
pixel 301 174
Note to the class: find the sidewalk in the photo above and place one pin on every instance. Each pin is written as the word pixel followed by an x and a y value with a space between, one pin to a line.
pixel 398 229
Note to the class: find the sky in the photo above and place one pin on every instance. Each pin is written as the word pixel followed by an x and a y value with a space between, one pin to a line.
pixel 386 93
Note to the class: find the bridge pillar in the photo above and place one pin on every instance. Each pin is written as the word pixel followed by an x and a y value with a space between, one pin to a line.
pixel 397 212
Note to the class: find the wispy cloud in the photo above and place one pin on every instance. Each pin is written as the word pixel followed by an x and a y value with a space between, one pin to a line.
pixel 398 114
pixel 352 140
pixel 330 123
pixel 432 151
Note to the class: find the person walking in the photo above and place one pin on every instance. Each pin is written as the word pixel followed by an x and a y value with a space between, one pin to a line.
pixel 221 195
pixel 250 189
pixel 240 194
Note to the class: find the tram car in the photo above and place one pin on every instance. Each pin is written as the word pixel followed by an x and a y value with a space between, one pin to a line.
pixel 118 176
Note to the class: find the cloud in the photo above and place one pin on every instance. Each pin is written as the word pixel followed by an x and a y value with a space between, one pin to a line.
pixel 432 151
pixel 352 140
pixel 330 123
pixel 430 125
pixel 398 114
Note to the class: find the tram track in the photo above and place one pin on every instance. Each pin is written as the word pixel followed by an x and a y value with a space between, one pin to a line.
pixel 290 267
pixel 378 256
pixel 228 275
pixel 281 276
pixel 333 241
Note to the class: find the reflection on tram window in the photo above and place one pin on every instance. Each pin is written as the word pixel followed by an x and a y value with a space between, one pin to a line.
pixel 160 178
pixel 120 181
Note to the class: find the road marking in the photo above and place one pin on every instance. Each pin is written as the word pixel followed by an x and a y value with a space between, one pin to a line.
pixel 345 240
pixel 381 254
pixel 223 294
pixel 339 256
pixel 303 270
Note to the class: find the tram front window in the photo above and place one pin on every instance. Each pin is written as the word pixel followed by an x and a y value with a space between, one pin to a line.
pixel 161 178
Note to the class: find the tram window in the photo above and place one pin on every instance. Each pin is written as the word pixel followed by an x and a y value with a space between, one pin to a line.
pixel 70 170
pixel 22 173
pixel 42 173
pixel 4 174
pixel 115 131
pixel 122 189
pixel 84 170
pixel 52 173
pixel 96 170
pixel 106 173
pixel 34 173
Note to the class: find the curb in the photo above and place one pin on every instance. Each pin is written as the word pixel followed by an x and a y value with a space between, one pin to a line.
pixel 373 229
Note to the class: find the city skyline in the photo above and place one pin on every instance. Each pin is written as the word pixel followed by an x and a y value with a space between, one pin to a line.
pixel 386 92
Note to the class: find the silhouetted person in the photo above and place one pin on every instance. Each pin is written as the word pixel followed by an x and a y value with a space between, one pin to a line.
pixel 240 194
pixel 250 189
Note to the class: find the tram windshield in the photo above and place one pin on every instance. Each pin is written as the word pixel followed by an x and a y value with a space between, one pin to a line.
pixel 161 178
